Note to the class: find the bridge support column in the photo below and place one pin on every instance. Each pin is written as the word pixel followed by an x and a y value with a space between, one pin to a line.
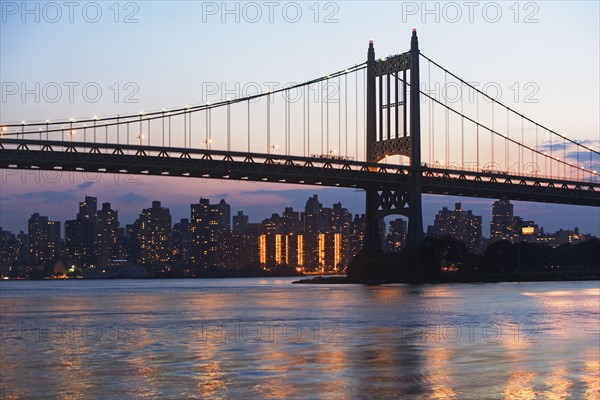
pixel 415 211
pixel 372 239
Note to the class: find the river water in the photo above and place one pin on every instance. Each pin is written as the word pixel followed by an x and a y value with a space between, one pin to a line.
pixel 268 338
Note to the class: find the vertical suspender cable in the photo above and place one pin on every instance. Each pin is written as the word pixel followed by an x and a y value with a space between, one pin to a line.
pixel 477 128
pixel 285 125
pixel 521 154
pixel 462 130
pixel 430 122
pixel 492 136
pixel 380 136
pixel 356 114
pixel 396 103
pixel 327 130
pixel 564 158
pixel 446 128
pixel 364 97
pixel 205 129
pixel 388 109
pixel 346 113
pixel 248 126
pixel 550 154
pixel 268 123
pixel 308 120
pixel 506 161
pixel 339 146
pixel 322 130
pixel 289 105
pixel 304 121
pixel 228 127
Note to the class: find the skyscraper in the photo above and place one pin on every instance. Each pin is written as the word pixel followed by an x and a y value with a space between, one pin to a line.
pixel 459 224
pixel 312 225
pixel 155 234
pixel 240 222
pixel 182 240
pixel 80 234
pixel 106 243
pixel 43 238
pixel 502 224
pixel 209 226
pixel 396 238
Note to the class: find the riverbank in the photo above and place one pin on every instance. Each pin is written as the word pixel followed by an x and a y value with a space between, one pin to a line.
pixel 454 279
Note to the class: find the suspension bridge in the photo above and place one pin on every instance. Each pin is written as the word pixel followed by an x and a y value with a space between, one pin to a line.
pixel 369 126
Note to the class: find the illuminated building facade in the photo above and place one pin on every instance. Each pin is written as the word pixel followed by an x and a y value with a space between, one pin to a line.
pixel 209 227
pixel 155 234
pixel 182 241
pixel 396 238
pixel 106 242
pixel 458 224
pixel 502 224
pixel 80 234
pixel 43 239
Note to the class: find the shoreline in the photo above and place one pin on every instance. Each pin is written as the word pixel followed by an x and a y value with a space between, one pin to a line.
pixel 486 279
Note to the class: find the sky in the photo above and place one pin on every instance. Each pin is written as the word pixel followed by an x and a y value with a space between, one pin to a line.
pixel 60 60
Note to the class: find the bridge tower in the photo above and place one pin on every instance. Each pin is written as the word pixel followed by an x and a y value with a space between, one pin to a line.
pixel 393 128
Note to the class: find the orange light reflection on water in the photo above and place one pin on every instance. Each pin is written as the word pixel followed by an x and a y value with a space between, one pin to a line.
pixel 439 373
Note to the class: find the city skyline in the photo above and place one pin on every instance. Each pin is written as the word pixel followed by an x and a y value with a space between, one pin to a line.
pixel 485 220
pixel 315 239
pixel 511 51
pixel 130 204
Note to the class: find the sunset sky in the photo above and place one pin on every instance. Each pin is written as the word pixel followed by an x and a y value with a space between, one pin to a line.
pixel 155 55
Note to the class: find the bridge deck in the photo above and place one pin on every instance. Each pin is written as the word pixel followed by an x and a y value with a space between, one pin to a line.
pixel 218 164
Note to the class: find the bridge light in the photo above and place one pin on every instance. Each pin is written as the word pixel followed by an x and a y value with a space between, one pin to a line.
pixel 23 122
pixel 71 120
pixel 95 117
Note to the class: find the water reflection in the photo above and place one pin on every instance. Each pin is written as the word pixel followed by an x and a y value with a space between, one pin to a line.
pixel 520 386
pixel 558 384
pixel 439 370
pixel 271 340
pixel 591 377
